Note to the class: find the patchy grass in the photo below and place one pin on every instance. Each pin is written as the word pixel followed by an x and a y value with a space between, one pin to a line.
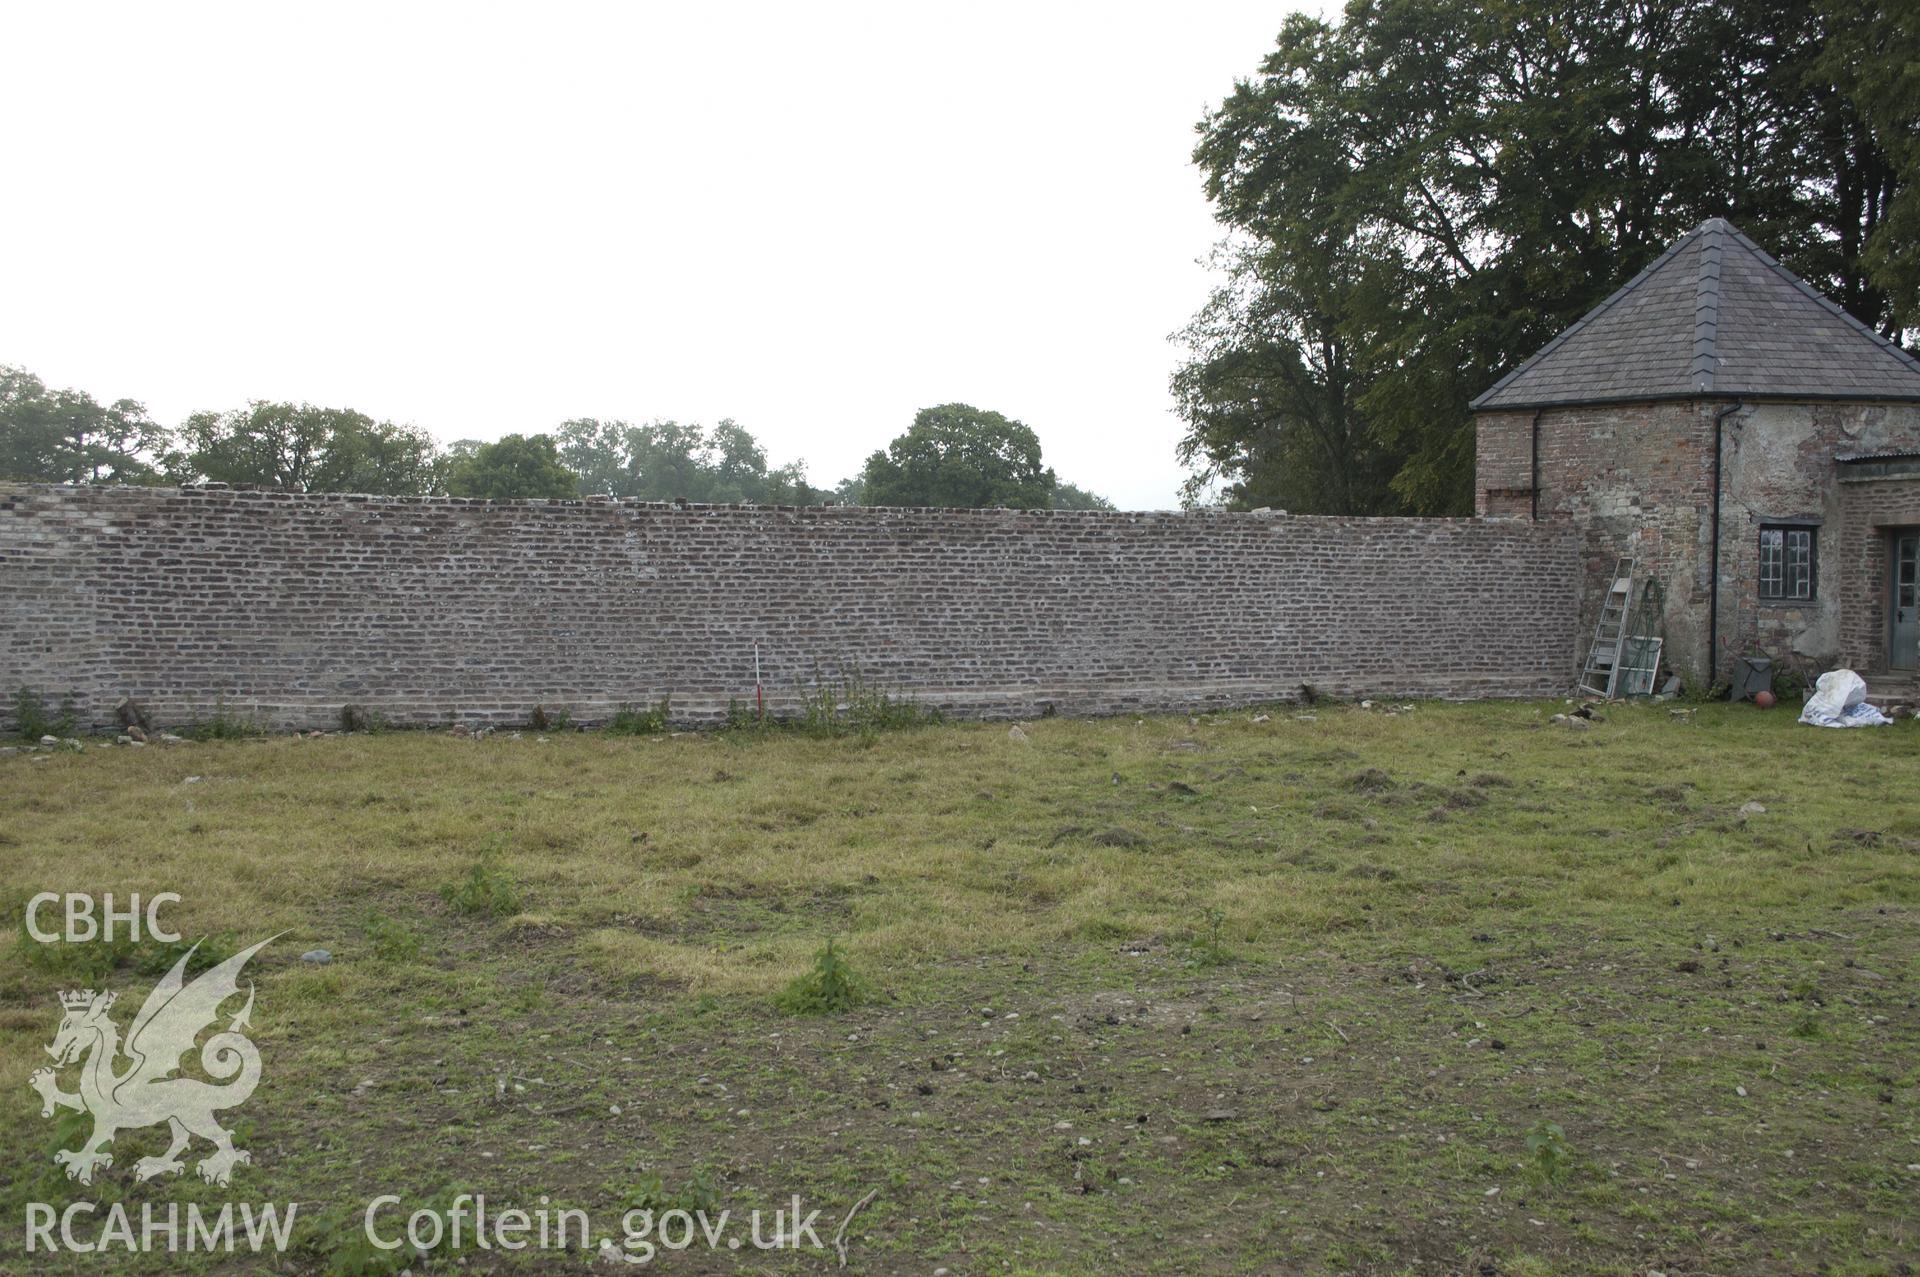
pixel 1448 990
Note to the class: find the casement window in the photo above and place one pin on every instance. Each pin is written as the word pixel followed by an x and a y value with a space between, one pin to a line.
pixel 1787 558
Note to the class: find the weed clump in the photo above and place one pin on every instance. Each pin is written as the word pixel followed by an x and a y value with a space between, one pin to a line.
pixel 1699 691
pixel 224 725
pixel 829 987
pixel 843 706
pixel 1206 948
pixel 97 959
pixel 31 714
pixel 851 705
pixel 391 940
pixel 1550 1152
pixel 485 891
pixel 631 721
pixel 698 1195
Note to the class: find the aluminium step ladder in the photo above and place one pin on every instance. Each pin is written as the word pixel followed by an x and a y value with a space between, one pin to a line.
pixel 1602 670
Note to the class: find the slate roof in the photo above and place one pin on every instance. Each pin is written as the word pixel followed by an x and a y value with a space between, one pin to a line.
pixel 1713 316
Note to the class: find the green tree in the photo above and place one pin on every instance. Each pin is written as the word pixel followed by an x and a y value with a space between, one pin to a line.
pixel 956 455
pixel 515 467
pixel 1419 197
pixel 668 461
pixel 1869 56
pixel 64 436
pixel 1067 496
pixel 302 448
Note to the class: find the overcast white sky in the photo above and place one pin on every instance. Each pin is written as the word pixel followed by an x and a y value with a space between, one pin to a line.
pixel 482 219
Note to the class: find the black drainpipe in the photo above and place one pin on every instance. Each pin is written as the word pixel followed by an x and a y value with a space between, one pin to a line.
pixel 1534 486
pixel 1713 581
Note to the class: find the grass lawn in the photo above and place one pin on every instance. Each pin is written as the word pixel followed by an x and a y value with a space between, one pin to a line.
pixel 1451 989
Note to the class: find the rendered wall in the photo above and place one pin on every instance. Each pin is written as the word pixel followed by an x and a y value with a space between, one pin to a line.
pixel 428 611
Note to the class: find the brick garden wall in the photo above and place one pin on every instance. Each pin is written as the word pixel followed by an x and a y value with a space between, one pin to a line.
pixel 287 607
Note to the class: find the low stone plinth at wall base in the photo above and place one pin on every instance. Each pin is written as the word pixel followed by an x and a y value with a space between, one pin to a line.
pixel 715 710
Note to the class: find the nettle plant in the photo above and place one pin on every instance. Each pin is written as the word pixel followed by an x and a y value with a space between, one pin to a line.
pixel 1551 1154
pixel 829 987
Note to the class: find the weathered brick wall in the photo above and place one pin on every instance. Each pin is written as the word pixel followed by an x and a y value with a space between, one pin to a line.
pixel 1637 480
pixel 287 607
pixel 1503 464
pixel 1874 507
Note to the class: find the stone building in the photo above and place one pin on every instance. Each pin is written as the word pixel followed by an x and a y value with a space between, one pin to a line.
pixel 1744 441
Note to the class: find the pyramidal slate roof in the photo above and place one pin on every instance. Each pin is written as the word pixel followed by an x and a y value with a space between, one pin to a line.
pixel 1713 316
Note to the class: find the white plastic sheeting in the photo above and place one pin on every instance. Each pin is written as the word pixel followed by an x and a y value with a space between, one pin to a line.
pixel 1840 700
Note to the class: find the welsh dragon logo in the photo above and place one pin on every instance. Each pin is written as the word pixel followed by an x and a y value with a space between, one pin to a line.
pixel 145 1092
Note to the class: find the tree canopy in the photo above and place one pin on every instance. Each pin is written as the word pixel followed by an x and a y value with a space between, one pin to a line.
pixel 302 448
pixel 959 455
pixel 1068 496
pixel 953 455
pixel 1420 196
pixel 513 467
pixel 667 461
pixel 64 436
